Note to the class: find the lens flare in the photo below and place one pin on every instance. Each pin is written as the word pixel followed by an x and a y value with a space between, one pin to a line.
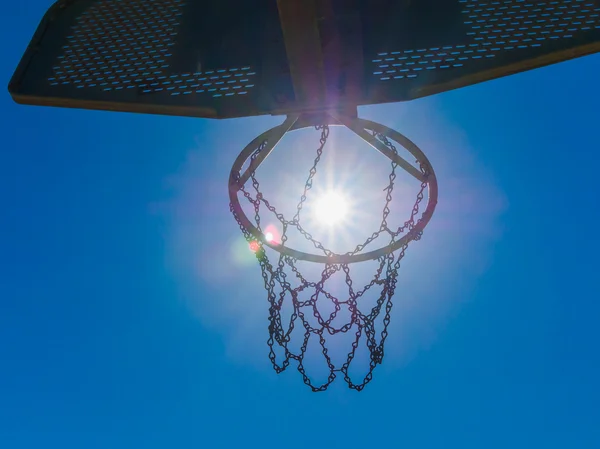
pixel 272 234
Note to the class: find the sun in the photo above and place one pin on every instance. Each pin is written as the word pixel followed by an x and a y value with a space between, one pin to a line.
pixel 331 209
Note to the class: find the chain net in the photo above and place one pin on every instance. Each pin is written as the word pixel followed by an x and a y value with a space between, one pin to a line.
pixel 306 313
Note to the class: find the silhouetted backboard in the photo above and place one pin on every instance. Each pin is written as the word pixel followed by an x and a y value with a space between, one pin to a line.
pixel 235 58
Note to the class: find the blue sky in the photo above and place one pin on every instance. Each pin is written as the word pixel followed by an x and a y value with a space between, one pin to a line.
pixel 129 318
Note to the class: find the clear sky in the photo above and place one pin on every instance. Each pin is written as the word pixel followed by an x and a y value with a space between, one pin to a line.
pixel 128 317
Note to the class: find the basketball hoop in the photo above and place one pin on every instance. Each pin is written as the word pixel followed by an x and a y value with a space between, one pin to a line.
pixel 388 257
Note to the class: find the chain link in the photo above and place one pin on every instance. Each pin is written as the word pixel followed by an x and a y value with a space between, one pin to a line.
pixel 279 289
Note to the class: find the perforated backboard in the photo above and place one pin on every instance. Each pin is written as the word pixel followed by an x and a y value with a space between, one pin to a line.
pixel 235 58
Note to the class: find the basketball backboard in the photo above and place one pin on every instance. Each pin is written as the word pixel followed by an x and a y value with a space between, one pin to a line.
pixel 236 58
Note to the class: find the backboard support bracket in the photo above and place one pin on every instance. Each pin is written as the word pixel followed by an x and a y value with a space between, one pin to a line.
pixel 321 45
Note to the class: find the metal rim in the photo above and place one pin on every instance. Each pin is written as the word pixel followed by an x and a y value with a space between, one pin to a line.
pixel 326 119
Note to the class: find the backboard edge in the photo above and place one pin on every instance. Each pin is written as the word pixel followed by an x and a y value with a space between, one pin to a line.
pixel 15 81
pixel 184 111
pixel 507 70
